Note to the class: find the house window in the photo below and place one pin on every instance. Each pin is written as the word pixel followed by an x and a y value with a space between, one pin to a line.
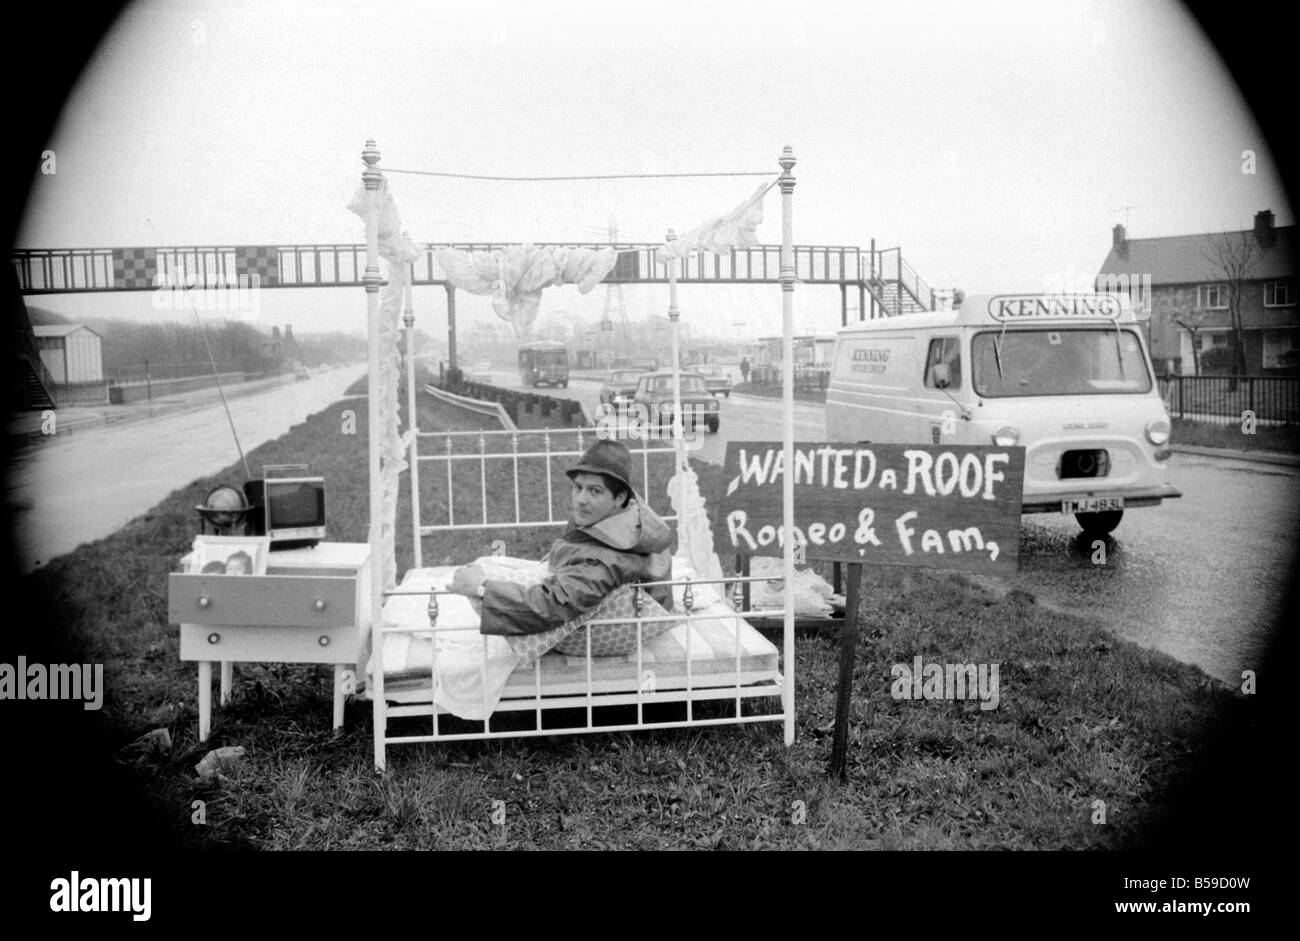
pixel 1281 349
pixel 1211 296
pixel 1279 293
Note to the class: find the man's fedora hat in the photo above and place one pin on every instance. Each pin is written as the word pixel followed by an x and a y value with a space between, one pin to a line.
pixel 608 457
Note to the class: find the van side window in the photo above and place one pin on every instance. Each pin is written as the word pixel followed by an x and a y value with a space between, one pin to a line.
pixel 946 350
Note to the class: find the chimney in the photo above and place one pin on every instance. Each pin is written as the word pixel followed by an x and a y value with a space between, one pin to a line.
pixel 1265 234
pixel 1119 241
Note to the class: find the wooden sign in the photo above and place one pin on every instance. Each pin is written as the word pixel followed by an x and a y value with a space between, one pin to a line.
pixel 942 506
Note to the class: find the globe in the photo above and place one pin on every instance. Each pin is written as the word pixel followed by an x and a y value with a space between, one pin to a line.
pixel 224 506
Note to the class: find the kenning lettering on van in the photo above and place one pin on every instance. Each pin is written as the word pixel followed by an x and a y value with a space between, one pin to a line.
pixel 873 354
pixel 1019 307
pixel 950 507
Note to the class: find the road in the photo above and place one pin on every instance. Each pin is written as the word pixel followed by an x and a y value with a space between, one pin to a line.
pixel 76 488
pixel 741 417
pixel 1202 578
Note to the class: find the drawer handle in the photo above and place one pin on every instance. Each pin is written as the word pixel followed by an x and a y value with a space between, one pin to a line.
pixel 319 604
pixel 214 638
pixel 204 601
pixel 324 640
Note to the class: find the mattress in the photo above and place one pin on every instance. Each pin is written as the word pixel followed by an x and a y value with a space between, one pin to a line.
pixel 710 650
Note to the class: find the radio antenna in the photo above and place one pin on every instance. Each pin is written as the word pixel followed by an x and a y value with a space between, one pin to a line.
pixel 224 404
pixel 215 375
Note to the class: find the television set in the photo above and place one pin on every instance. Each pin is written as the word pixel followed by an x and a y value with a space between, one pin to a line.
pixel 291 510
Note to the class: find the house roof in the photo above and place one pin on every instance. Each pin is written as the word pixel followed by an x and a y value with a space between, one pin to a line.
pixel 1189 259
pixel 60 329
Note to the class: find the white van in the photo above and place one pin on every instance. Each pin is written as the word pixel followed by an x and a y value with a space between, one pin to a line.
pixel 1067 376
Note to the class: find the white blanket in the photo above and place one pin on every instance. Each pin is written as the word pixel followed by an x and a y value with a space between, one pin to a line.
pixel 463 684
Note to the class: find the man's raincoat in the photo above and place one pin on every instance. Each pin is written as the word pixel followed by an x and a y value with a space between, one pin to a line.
pixel 585 565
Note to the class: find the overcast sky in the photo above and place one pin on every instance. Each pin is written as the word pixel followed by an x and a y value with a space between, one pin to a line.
pixel 996 143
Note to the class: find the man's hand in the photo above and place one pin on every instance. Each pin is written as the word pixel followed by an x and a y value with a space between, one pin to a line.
pixel 466 579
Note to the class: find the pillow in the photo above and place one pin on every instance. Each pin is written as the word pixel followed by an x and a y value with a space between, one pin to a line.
pixel 617 639
pixel 607 640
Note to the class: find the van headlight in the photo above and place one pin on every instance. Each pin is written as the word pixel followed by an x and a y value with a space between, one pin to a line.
pixel 1006 436
pixel 713 405
pixel 1158 431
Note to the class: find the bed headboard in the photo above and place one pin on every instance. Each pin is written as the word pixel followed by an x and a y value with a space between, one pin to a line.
pixel 510 487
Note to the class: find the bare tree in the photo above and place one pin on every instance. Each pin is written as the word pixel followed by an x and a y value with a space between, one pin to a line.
pixel 1193 325
pixel 1232 255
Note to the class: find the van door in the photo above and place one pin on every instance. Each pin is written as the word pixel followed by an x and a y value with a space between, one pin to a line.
pixel 939 415
pixel 873 386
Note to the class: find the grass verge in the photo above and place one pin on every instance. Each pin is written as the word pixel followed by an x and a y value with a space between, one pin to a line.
pixel 1081 716
pixel 1284 439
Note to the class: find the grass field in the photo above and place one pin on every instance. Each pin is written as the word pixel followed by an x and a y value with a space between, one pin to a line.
pixel 1283 438
pixel 1081 717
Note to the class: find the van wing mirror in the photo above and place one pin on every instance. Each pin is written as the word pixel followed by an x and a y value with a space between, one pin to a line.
pixel 940 375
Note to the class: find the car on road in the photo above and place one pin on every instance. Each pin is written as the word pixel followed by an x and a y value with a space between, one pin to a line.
pixel 716 378
pixel 301 373
pixel 654 394
pixel 481 371
pixel 620 386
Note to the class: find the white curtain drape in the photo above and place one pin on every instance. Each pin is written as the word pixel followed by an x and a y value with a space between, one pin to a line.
pixel 398 252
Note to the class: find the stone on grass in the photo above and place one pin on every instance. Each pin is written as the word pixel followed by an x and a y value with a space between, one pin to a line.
pixel 152 744
pixel 219 759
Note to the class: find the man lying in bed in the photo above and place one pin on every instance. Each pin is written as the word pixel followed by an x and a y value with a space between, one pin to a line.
pixel 613 538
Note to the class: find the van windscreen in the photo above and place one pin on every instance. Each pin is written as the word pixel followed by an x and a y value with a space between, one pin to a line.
pixel 1096 361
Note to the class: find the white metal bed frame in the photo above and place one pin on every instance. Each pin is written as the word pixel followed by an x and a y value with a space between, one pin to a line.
pixel 598 692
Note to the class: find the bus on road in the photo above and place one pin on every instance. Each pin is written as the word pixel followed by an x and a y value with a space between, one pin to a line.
pixel 544 361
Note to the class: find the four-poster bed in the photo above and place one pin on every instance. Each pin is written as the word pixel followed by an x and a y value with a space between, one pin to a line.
pixel 428 663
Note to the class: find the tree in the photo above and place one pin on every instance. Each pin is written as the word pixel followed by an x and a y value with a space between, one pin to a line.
pixel 1193 323
pixel 1232 256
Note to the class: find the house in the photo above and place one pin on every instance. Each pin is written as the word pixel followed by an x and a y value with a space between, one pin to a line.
pixel 72 352
pixel 1188 284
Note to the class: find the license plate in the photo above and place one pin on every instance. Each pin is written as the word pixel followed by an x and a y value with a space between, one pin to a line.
pixel 1092 505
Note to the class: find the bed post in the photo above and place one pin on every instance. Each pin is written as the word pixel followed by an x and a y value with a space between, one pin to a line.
pixel 371 177
pixel 412 426
pixel 786 182
pixel 679 456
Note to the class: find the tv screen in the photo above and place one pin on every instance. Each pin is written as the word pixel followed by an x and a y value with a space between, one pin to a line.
pixel 294 511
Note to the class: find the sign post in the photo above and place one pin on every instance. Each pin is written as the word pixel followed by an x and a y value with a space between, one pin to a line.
pixel 844 693
pixel 936 506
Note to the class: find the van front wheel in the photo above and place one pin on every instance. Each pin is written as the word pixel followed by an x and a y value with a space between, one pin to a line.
pixel 1099 524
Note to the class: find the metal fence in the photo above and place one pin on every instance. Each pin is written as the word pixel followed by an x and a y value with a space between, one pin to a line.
pixel 144 372
pixel 1227 399
pixel 806 378
pixel 67 395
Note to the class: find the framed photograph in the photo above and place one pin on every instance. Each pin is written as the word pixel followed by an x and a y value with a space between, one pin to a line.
pixel 230 555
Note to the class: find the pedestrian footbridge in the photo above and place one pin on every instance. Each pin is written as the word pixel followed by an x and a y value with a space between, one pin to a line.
pixel 883 282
